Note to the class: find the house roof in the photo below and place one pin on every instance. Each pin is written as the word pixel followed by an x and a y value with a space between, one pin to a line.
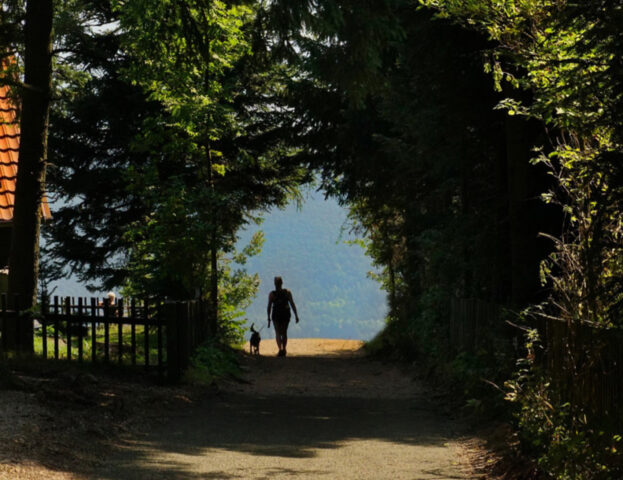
pixel 9 149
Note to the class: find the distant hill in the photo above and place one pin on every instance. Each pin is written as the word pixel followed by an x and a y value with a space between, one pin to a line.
pixel 327 277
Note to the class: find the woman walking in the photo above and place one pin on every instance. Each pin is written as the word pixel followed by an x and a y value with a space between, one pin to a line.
pixel 279 302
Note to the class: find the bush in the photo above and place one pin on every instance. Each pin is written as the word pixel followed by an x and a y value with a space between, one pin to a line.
pixel 211 362
pixel 566 443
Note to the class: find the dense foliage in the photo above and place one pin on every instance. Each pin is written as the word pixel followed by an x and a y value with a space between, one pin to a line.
pixel 421 156
pixel 566 55
pixel 501 187
pixel 477 144
pixel 184 152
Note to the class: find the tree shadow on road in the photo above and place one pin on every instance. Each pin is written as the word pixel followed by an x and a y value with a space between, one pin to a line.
pixel 277 427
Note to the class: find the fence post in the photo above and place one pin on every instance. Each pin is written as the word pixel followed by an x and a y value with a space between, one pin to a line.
pixel 202 321
pixel 171 315
pixel 17 332
pixel 120 331
pixel 93 330
pixel 184 334
pixel 80 331
pixel 159 321
pixel 453 325
pixel 133 330
pixel 106 330
pixel 44 325
pixel 3 302
pixel 68 326
pixel 56 327
pixel 146 319
pixel 18 324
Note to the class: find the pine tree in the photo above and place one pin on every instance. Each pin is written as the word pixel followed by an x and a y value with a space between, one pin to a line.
pixel 180 155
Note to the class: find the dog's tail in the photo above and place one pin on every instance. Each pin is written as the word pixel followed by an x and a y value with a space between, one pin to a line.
pixel 253 329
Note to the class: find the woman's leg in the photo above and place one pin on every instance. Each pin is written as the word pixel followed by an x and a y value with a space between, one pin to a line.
pixel 277 326
pixel 284 335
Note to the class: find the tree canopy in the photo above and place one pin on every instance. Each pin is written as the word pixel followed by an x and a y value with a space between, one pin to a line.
pixel 477 145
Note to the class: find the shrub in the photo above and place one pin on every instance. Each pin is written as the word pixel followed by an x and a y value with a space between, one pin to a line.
pixel 211 362
pixel 567 444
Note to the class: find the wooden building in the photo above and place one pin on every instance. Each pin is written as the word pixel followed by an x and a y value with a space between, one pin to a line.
pixel 9 150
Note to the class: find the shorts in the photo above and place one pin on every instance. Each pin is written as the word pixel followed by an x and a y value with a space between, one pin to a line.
pixel 281 322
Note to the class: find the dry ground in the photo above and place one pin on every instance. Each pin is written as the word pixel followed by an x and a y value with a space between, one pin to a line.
pixel 63 422
pixel 325 411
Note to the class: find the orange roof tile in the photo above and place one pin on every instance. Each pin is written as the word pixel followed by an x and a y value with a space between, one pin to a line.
pixel 9 149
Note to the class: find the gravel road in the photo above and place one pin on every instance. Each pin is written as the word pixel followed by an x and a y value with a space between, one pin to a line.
pixel 325 412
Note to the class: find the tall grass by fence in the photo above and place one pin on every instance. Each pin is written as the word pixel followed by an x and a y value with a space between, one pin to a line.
pixel 154 335
pixel 584 362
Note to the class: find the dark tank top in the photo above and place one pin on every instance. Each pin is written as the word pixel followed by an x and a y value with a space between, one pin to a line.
pixel 281 306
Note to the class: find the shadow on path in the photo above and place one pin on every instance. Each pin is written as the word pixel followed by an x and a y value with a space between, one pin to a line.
pixel 256 434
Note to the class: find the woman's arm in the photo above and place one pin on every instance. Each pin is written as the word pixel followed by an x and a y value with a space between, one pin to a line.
pixel 291 300
pixel 270 304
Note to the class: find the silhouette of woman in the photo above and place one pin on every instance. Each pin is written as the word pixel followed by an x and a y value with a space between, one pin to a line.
pixel 279 300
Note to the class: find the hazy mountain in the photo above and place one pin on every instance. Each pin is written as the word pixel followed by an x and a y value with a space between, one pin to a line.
pixel 327 277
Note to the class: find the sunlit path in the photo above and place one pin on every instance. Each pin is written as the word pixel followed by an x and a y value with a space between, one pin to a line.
pixel 325 411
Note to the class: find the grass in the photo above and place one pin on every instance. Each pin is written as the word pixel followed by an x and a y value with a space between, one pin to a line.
pixel 211 362
pixel 114 350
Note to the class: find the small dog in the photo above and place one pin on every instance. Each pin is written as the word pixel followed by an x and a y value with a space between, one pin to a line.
pixel 254 341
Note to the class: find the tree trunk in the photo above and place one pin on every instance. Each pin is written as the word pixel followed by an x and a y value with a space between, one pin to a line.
pixel 30 183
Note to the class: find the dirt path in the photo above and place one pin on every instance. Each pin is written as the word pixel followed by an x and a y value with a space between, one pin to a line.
pixel 325 411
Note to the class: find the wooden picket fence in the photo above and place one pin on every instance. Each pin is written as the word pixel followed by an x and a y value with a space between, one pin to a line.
pixel 475 325
pixel 188 327
pixel 584 362
pixel 101 326
pixel 156 336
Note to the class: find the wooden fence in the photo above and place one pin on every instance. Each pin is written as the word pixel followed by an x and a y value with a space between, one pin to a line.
pixel 476 325
pixel 188 327
pixel 585 363
pixel 156 336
